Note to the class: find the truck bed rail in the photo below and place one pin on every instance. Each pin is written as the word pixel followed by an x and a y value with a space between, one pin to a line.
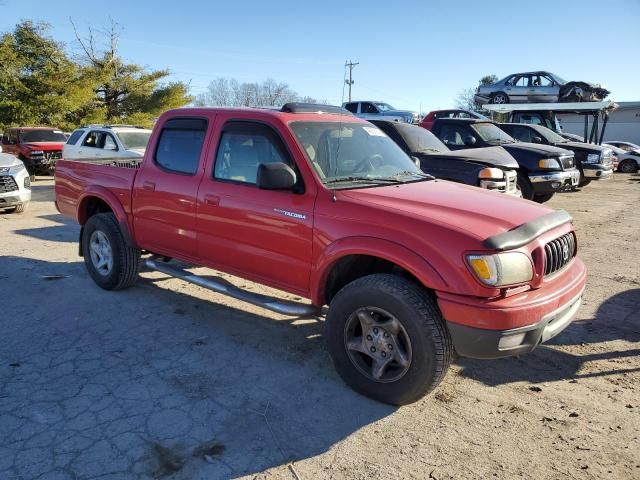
pixel 118 162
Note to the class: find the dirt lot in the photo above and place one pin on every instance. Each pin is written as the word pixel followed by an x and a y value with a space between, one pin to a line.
pixel 169 380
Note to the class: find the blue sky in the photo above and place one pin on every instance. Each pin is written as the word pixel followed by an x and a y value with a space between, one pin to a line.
pixel 412 53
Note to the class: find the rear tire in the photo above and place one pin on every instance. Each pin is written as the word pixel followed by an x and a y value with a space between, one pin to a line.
pixel 500 98
pixel 404 322
pixel 525 186
pixel 111 262
pixel 628 166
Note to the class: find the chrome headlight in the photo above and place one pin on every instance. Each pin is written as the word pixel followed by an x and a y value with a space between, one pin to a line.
pixel 593 158
pixel 549 163
pixel 501 269
pixel 17 168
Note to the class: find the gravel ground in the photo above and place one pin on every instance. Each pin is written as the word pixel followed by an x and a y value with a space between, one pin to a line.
pixel 167 380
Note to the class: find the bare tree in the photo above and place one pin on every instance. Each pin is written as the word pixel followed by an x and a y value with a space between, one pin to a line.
pixel 226 92
pixel 465 100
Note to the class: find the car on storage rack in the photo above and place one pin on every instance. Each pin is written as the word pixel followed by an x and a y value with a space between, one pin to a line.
pixel 431 117
pixel 37 147
pixel 314 201
pixel 538 87
pixel 595 162
pixel 107 142
pixel 372 109
pixel 543 169
pixel 492 168
pixel 15 184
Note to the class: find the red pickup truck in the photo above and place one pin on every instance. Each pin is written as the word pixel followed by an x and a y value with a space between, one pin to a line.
pixel 316 202
pixel 38 147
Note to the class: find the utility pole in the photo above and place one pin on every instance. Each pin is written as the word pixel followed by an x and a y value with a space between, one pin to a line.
pixel 350 82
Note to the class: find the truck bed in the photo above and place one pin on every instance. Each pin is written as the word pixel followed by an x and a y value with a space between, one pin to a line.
pixel 76 179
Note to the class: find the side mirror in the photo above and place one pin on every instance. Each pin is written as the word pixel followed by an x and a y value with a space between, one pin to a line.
pixel 469 140
pixel 416 160
pixel 275 176
pixel 536 140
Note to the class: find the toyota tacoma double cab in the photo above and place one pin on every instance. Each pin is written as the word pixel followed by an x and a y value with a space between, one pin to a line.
pixel 544 170
pixel 313 201
pixel 38 147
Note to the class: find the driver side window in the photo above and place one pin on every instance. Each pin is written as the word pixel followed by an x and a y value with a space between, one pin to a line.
pixel 366 107
pixel 452 134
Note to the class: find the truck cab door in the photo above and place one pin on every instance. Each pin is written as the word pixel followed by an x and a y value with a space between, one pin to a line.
pixel 165 189
pixel 263 235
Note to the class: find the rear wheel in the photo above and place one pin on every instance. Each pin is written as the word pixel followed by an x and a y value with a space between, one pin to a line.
pixel 111 262
pixel 500 98
pixel 628 166
pixel 387 339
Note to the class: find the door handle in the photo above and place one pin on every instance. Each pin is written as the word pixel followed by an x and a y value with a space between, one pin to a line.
pixel 149 186
pixel 212 200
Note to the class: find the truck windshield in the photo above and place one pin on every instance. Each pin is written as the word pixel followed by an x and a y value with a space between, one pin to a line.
pixel 384 107
pixel 491 134
pixel 135 140
pixel 31 136
pixel 419 139
pixel 550 135
pixel 354 153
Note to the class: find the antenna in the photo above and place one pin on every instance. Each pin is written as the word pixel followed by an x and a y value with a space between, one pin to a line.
pixel 350 82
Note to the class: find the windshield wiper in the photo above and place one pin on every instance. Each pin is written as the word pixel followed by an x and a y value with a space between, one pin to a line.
pixel 354 179
pixel 407 173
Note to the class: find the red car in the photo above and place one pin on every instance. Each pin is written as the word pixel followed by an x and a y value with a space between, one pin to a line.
pixel 38 147
pixel 431 117
pixel 316 202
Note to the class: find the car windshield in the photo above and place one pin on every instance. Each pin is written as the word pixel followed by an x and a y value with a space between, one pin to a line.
pixel 135 140
pixel 384 107
pixel 491 134
pixel 29 136
pixel 419 139
pixel 550 135
pixel 345 154
pixel 557 79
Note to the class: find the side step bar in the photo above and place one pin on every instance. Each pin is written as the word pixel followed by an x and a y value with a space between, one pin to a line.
pixel 270 303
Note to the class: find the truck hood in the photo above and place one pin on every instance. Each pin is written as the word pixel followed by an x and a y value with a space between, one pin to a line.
pixel 477 212
pixel 7 160
pixel 586 147
pixel 136 152
pixel 490 156
pixel 547 150
pixel 398 113
pixel 44 146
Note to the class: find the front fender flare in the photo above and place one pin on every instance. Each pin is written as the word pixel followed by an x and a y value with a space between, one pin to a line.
pixel 388 250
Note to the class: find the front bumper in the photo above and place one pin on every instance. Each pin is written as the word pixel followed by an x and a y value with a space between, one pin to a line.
pixel 597 172
pixel 507 326
pixel 17 196
pixel 544 182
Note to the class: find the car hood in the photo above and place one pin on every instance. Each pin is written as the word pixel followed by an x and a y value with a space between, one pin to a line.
pixel 45 146
pixel 7 160
pixel 492 156
pixel 536 148
pixel 587 147
pixel 474 211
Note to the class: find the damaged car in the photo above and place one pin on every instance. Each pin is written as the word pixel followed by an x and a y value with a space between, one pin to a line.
pixel 539 87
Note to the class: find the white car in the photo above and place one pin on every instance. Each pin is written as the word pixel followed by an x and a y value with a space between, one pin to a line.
pixel 15 185
pixel 95 142
pixel 628 160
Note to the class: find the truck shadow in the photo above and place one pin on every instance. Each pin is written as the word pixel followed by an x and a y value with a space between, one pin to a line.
pixel 64 230
pixel 177 370
pixel 617 319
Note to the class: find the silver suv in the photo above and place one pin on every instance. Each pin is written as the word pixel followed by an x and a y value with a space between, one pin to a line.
pixel 15 185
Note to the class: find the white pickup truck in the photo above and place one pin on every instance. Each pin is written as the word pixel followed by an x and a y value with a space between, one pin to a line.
pixel 374 110
pixel 94 142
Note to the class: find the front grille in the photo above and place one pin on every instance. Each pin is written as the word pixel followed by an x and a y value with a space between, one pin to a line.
pixel 558 253
pixel 55 155
pixel 7 184
pixel 567 161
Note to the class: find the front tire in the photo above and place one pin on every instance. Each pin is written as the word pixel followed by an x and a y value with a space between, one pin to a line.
pixel 387 339
pixel 111 262
pixel 525 186
pixel 628 166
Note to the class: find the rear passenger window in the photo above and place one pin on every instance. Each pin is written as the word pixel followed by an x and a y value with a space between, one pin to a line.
pixel 180 145
pixel 352 107
pixel 75 136
pixel 243 147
